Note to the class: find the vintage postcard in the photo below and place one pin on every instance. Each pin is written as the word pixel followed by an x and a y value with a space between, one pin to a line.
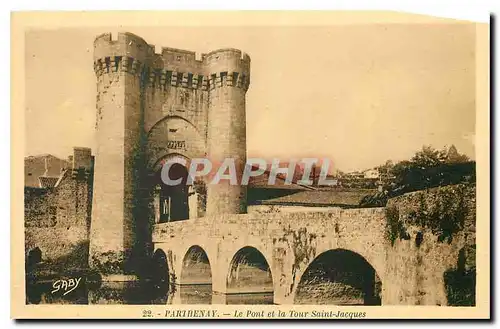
pixel 249 165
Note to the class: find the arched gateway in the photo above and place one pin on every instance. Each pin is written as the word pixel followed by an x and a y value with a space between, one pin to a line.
pixel 152 106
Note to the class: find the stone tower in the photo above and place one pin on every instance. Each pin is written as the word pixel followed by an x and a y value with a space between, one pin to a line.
pixel 152 107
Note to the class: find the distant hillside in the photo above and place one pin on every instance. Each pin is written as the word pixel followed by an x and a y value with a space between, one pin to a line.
pixel 35 166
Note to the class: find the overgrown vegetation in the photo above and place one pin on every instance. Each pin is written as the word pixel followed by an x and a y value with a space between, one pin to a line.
pixel 73 263
pixel 428 168
pixel 109 262
pixel 460 283
pixel 201 188
pixel 395 227
pixel 461 287
pixel 272 209
pixel 447 214
pixel 442 211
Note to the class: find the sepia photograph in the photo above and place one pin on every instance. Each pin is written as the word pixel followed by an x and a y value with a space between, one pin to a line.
pixel 234 170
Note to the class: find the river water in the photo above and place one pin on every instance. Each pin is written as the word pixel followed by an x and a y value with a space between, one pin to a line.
pixel 142 293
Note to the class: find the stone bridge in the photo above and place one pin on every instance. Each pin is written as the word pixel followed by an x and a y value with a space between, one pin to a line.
pixel 418 250
pixel 286 251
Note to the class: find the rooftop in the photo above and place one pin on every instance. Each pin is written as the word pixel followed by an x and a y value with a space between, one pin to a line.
pixel 321 198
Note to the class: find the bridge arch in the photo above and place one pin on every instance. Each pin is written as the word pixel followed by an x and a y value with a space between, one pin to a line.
pixel 34 257
pixel 248 259
pixel 195 277
pixel 249 273
pixel 160 268
pixel 196 267
pixel 341 277
pixel 158 289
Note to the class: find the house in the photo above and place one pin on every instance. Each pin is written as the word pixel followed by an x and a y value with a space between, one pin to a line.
pixel 371 173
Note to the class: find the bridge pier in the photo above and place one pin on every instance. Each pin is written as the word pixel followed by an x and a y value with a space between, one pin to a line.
pixel 175 298
pixel 267 254
pixel 344 252
pixel 219 298
pixel 219 278
pixel 280 298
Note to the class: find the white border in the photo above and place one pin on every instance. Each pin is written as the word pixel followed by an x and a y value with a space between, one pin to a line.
pixel 474 10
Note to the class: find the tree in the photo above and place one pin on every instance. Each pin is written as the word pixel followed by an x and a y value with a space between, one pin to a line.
pixel 427 168
pixel 386 168
pixel 401 168
pixel 428 157
pixel 452 156
pixel 430 168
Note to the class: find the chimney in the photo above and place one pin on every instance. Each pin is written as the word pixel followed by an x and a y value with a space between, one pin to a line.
pixel 46 173
pixel 82 158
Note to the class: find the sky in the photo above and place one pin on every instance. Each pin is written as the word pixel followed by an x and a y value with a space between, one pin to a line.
pixel 357 94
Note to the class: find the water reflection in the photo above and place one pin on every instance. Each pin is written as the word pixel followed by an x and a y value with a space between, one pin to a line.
pixel 138 293
pixel 250 298
pixel 196 294
pixel 41 293
pixel 329 293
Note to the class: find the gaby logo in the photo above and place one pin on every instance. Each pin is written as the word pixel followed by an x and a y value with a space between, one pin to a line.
pixel 66 286
pixel 254 167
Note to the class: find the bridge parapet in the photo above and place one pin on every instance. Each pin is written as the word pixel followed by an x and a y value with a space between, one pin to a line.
pixel 288 241
pixel 411 245
pixel 341 221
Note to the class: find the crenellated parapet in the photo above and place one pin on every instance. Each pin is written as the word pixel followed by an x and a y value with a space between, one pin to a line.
pixel 230 79
pixel 150 105
pixel 126 44
pixel 227 67
pixel 161 78
pixel 119 64
pixel 130 54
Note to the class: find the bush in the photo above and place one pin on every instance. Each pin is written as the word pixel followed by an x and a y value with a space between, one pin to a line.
pixel 412 178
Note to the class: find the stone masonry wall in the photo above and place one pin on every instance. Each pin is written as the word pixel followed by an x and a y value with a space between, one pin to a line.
pixel 422 246
pixel 150 107
pixel 57 220
pixel 288 241
pixel 431 259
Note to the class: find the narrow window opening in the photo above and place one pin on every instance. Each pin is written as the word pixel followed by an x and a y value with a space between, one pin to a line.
pixel 180 76
pixel 223 78
pixel 168 78
pixel 118 59
pixel 235 78
pixel 107 61
pixel 419 239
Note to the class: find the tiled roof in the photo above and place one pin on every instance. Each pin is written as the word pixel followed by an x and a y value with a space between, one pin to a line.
pixel 35 166
pixel 47 182
pixel 261 181
pixel 322 198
